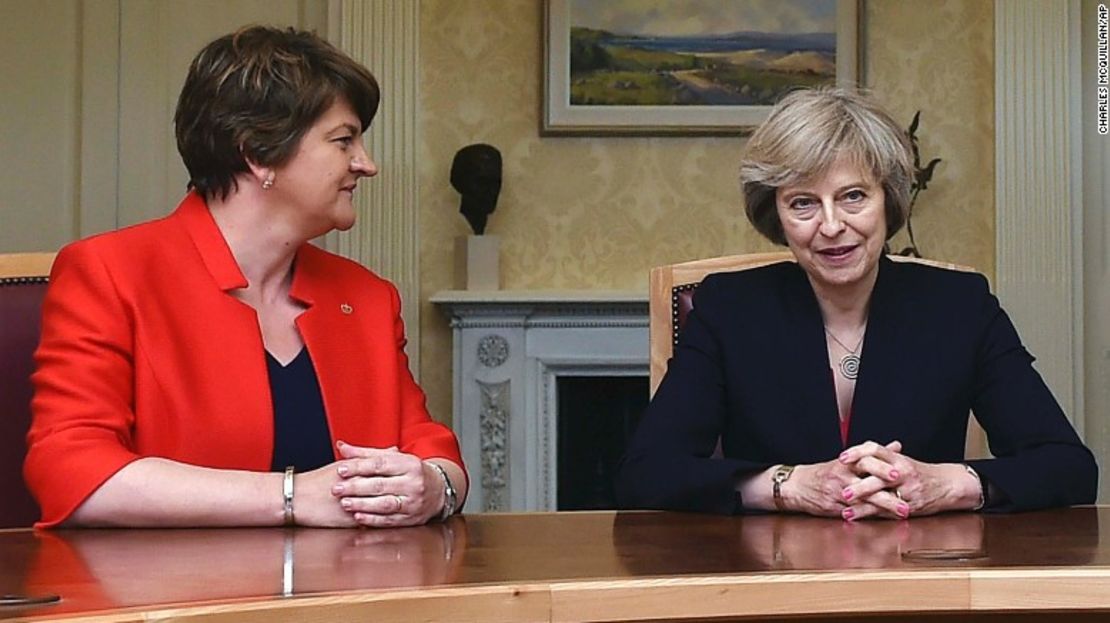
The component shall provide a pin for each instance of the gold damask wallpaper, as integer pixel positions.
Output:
(598, 213)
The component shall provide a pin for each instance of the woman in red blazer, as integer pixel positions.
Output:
(213, 367)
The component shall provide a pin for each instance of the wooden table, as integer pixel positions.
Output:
(575, 567)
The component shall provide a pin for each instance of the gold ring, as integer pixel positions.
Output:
(898, 494)
(400, 501)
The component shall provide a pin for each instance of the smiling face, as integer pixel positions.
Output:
(317, 184)
(835, 224)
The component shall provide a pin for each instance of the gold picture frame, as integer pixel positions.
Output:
(563, 117)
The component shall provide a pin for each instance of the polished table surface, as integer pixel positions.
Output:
(598, 566)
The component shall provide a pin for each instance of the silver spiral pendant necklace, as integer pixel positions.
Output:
(849, 363)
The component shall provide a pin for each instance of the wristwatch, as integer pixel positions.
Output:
(450, 496)
(780, 475)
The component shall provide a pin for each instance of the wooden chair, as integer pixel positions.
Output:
(23, 278)
(671, 297)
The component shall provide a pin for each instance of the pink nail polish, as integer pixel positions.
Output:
(847, 494)
(894, 474)
(844, 456)
(848, 513)
(337, 490)
(345, 503)
(343, 470)
(903, 510)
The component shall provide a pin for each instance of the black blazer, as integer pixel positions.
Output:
(751, 369)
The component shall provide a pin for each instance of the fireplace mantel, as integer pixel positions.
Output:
(510, 347)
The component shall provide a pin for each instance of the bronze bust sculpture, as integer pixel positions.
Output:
(476, 174)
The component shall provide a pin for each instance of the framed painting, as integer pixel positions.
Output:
(684, 67)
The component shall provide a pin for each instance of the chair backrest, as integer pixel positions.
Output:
(23, 278)
(671, 297)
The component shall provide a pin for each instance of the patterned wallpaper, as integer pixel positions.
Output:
(597, 213)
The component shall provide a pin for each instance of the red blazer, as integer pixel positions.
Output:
(144, 353)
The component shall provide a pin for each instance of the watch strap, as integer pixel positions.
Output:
(781, 474)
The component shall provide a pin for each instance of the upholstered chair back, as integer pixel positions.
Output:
(671, 297)
(23, 280)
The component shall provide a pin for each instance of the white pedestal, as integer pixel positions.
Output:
(510, 347)
(477, 262)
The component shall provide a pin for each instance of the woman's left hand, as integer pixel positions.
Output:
(894, 484)
(384, 487)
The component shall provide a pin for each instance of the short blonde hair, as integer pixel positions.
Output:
(805, 134)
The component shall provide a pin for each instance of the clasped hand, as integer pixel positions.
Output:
(374, 487)
(873, 480)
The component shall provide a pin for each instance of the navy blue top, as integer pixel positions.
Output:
(301, 435)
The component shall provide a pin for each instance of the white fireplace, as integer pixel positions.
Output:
(510, 348)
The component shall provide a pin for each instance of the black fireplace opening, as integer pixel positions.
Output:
(596, 416)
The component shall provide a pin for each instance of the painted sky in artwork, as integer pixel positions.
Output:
(704, 17)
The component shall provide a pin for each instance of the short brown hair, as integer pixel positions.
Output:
(254, 93)
(806, 132)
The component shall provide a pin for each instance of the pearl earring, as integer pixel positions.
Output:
(268, 183)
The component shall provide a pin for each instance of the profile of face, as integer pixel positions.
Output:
(278, 108)
(476, 175)
(835, 224)
(317, 184)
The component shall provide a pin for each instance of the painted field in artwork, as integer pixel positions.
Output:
(690, 52)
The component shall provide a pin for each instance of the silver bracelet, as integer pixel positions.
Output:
(450, 497)
(287, 496)
(982, 498)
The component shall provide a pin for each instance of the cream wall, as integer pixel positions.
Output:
(86, 120)
(39, 124)
(599, 212)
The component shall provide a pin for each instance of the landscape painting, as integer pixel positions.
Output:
(688, 66)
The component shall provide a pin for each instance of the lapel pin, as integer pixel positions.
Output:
(346, 309)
